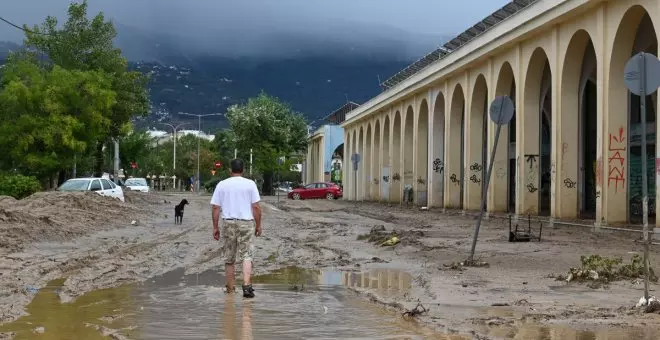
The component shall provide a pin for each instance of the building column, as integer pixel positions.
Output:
(474, 139)
(430, 197)
(498, 188)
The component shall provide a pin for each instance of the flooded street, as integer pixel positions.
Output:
(291, 304)
(322, 272)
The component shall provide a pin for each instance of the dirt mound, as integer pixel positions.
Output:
(141, 198)
(317, 205)
(59, 216)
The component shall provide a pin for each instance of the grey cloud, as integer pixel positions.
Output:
(270, 27)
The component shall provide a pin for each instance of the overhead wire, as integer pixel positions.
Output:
(21, 28)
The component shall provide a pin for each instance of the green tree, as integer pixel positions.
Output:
(138, 147)
(271, 129)
(186, 158)
(87, 44)
(47, 116)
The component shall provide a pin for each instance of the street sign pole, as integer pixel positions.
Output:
(642, 77)
(501, 113)
(645, 196)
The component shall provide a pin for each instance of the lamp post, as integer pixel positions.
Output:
(174, 130)
(199, 131)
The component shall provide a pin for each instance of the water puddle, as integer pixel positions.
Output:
(556, 332)
(290, 304)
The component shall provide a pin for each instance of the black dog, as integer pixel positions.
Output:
(178, 211)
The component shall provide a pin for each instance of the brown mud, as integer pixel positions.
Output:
(95, 242)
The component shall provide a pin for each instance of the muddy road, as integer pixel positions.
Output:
(94, 243)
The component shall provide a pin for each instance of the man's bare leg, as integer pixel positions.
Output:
(248, 291)
(247, 272)
(230, 277)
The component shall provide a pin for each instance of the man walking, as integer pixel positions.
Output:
(238, 198)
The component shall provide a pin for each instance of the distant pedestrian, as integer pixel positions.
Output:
(238, 198)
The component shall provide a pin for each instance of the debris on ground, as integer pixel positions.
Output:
(598, 270)
(650, 306)
(475, 263)
(418, 310)
(7, 335)
(39, 330)
(379, 236)
(391, 242)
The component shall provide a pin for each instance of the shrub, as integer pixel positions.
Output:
(18, 186)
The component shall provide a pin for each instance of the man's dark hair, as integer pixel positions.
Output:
(237, 166)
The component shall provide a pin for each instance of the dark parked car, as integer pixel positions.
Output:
(326, 190)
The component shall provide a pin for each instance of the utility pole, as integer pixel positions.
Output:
(116, 162)
(174, 134)
(199, 136)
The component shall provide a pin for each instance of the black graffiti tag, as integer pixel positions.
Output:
(474, 179)
(475, 167)
(569, 183)
(531, 188)
(454, 179)
(386, 179)
(531, 159)
(438, 166)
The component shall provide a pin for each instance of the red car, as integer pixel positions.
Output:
(327, 190)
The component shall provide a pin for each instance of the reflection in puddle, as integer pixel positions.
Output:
(175, 306)
(386, 282)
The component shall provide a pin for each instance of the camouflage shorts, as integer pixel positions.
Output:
(237, 240)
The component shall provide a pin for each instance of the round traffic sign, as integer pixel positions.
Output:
(501, 110)
(642, 66)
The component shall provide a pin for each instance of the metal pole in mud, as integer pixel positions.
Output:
(642, 77)
(501, 112)
(645, 194)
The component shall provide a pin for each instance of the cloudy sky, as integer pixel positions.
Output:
(202, 20)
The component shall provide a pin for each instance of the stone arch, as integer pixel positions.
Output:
(622, 169)
(477, 143)
(361, 177)
(438, 152)
(352, 175)
(366, 164)
(422, 166)
(502, 187)
(578, 133)
(386, 175)
(408, 146)
(456, 152)
(376, 164)
(397, 169)
(536, 135)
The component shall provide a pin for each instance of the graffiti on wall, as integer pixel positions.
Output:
(476, 173)
(438, 166)
(454, 179)
(532, 173)
(616, 161)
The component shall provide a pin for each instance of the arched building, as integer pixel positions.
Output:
(573, 147)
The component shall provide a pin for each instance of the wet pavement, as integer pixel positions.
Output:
(290, 304)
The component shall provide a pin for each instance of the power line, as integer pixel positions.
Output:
(21, 28)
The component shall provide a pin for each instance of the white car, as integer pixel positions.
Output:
(101, 186)
(137, 184)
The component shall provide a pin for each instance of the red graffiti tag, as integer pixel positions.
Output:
(616, 161)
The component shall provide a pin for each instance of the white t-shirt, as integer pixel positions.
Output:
(235, 196)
